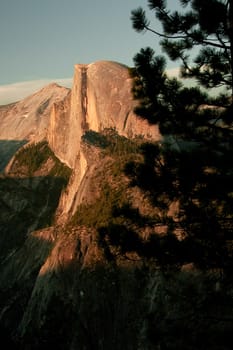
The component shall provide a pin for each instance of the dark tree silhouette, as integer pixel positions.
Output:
(207, 25)
(192, 166)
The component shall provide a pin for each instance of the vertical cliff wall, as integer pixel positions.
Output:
(59, 127)
(100, 98)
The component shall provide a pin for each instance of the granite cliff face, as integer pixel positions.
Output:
(101, 98)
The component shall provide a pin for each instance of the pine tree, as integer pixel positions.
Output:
(207, 25)
(192, 166)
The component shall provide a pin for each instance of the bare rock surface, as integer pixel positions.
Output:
(28, 119)
(101, 98)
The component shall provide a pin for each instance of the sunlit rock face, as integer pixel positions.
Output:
(101, 98)
(28, 119)
(109, 102)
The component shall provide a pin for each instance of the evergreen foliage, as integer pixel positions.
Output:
(33, 156)
(112, 196)
(190, 170)
(206, 25)
(111, 143)
(34, 184)
(193, 165)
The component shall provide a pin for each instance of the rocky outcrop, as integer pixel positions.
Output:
(101, 98)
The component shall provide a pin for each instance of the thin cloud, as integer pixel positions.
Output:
(17, 91)
(173, 72)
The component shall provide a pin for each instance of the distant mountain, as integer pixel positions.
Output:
(27, 120)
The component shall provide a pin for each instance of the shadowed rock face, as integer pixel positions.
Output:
(7, 151)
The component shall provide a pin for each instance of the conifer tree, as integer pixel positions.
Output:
(207, 25)
(192, 166)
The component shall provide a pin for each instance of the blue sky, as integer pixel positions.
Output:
(42, 40)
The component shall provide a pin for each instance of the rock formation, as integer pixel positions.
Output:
(27, 120)
(66, 282)
(101, 98)
(62, 269)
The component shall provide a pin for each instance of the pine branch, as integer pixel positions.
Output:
(188, 35)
